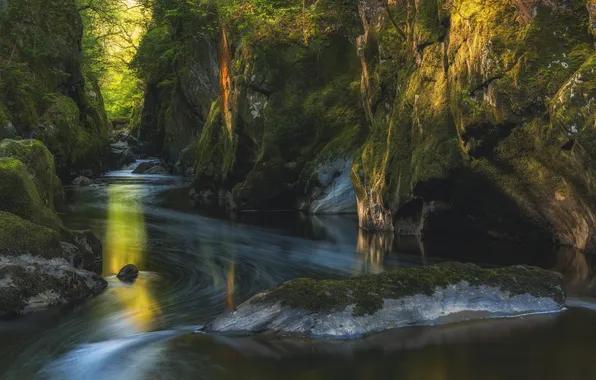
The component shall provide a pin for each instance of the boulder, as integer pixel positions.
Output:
(19, 195)
(40, 166)
(7, 130)
(334, 193)
(121, 154)
(82, 181)
(19, 236)
(83, 249)
(396, 298)
(30, 283)
(128, 273)
(157, 169)
(144, 166)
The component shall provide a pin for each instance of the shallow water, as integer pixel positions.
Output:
(197, 263)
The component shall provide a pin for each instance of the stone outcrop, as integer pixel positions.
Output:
(41, 262)
(469, 118)
(396, 298)
(44, 91)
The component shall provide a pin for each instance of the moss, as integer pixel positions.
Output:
(19, 236)
(73, 147)
(19, 195)
(368, 292)
(40, 164)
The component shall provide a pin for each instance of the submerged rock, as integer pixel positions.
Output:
(29, 283)
(128, 273)
(82, 181)
(396, 298)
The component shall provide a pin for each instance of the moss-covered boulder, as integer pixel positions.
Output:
(19, 195)
(73, 146)
(396, 298)
(19, 236)
(40, 164)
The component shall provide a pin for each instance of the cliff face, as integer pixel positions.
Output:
(490, 126)
(455, 116)
(43, 90)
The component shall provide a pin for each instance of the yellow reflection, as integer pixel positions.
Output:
(231, 285)
(126, 244)
(372, 247)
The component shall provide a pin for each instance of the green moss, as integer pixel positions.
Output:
(368, 292)
(40, 164)
(19, 236)
(73, 147)
(19, 195)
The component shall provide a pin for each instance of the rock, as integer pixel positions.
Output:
(157, 169)
(397, 298)
(7, 130)
(335, 193)
(19, 236)
(19, 195)
(83, 249)
(121, 154)
(40, 166)
(144, 166)
(128, 273)
(30, 283)
(82, 181)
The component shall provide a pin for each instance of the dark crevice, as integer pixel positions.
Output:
(481, 140)
(260, 90)
(484, 85)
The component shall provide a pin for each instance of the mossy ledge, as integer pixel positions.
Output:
(400, 297)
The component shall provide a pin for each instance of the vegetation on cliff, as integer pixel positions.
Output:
(44, 91)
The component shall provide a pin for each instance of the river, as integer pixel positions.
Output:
(197, 262)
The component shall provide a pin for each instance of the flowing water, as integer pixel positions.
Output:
(196, 263)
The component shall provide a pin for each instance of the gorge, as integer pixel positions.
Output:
(228, 151)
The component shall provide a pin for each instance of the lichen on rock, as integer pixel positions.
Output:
(395, 298)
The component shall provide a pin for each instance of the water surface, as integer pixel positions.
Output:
(197, 262)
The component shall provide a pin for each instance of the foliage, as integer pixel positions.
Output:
(113, 29)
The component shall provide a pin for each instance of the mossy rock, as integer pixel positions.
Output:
(33, 283)
(74, 148)
(368, 292)
(40, 164)
(19, 195)
(437, 294)
(19, 236)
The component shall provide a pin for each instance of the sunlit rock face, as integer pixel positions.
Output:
(482, 108)
(397, 298)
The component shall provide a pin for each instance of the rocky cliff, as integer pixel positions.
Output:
(470, 117)
(44, 91)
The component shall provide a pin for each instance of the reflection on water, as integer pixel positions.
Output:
(195, 266)
(372, 249)
(578, 269)
(230, 285)
(126, 243)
